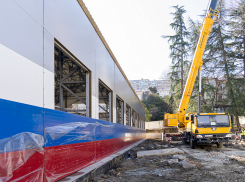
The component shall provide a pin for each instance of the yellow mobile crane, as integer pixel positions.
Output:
(200, 128)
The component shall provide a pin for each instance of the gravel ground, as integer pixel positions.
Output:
(206, 163)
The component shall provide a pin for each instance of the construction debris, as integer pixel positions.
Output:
(206, 163)
(187, 165)
(180, 157)
(195, 163)
(173, 161)
(159, 152)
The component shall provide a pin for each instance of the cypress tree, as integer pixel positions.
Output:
(179, 53)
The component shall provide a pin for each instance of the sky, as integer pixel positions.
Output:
(133, 30)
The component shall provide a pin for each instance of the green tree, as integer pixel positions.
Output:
(236, 65)
(148, 115)
(156, 106)
(153, 89)
(219, 63)
(237, 31)
(178, 47)
(169, 99)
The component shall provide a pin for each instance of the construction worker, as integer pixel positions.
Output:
(243, 134)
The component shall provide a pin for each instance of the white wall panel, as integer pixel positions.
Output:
(104, 65)
(49, 70)
(119, 83)
(27, 49)
(21, 79)
(114, 111)
(95, 107)
(34, 8)
(48, 51)
(61, 25)
(48, 89)
(78, 18)
(20, 32)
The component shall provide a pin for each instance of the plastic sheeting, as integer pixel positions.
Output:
(68, 147)
(72, 147)
(14, 153)
(69, 133)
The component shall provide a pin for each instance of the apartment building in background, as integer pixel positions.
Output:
(141, 86)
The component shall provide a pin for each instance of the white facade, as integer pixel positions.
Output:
(27, 53)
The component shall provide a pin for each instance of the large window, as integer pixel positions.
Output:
(133, 118)
(72, 83)
(140, 122)
(105, 102)
(137, 120)
(128, 115)
(119, 110)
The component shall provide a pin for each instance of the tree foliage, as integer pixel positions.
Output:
(178, 47)
(147, 114)
(153, 89)
(156, 106)
(223, 70)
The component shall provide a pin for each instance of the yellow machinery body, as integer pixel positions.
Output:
(182, 119)
(170, 119)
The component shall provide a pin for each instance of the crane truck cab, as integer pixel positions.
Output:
(203, 128)
(209, 128)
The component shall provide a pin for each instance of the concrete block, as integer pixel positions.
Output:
(159, 152)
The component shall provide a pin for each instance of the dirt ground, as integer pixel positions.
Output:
(205, 163)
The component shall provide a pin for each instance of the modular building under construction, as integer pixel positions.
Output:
(65, 102)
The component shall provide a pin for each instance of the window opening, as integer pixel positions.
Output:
(119, 110)
(133, 118)
(71, 83)
(137, 120)
(128, 115)
(140, 122)
(105, 102)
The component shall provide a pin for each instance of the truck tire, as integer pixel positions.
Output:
(220, 145)
(193, 143)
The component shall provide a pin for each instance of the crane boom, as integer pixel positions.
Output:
(200, 128)
(196, 65)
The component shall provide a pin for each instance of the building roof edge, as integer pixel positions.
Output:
(85, 9)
